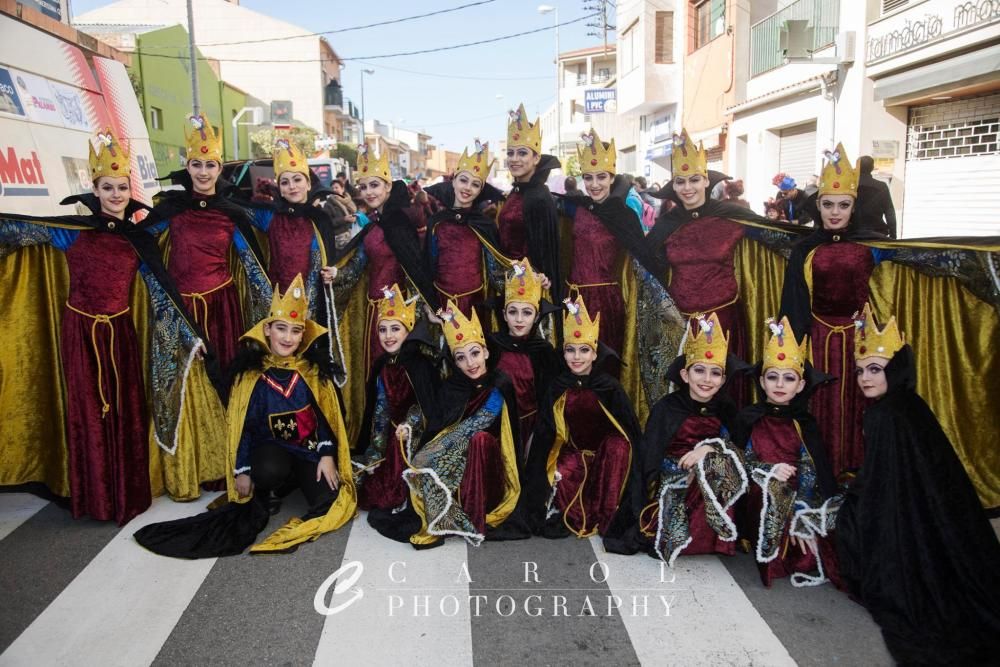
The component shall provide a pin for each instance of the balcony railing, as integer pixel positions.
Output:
(765, 49)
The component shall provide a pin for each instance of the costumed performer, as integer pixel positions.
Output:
(285, 430)
(106, 411)
(913, 542)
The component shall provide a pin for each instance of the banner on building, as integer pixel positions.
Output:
(600, 100)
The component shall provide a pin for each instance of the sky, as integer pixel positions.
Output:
(454, 111)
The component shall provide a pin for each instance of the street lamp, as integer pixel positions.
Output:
(545, 9)
(369, 71)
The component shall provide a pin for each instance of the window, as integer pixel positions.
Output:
(155, 118)
(710, 21)
(630, 55)
(664, 37)
(603, 74)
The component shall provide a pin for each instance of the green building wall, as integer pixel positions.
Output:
(165, 85)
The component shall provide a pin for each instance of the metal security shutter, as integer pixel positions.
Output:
(797, 154)
(952, 179)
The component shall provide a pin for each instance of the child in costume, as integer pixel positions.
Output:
(524, 356)
(285, 428)
(786, 463)
(463, 478)
(400, 401)
(914, 544)
(581, 455)
(107, 421)
(694, 471)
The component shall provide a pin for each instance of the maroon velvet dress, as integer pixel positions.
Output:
(384, 270)
(517, 366)
(482, 486)
(596, 269)
(291, 240)
(385, 488)
(704, 540)
(593, 466)
(840, 275)
(459, 266)
(107, 427)
(511, 227)
(199, 264)
(775, 440)
(701, 254)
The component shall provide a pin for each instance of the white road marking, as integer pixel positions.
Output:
(16, 508)
(710, 620)
(121, 608)
(420, 618)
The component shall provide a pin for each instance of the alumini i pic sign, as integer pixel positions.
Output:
(600, 100)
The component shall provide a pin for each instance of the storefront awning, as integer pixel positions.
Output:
(954, 72)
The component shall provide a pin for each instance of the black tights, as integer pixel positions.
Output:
(273, 468)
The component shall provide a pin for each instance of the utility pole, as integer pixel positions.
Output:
(600, 24)
(195, 99)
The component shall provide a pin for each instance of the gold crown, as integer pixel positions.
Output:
(577, 326)
(783, 351)
(458, 329)
(393, 306)
(287, 157)
(838, 176)
(594, 156)
(292, 306)
(369, 166)
(708, 344)
(522, 133)
(869, 341)
(111, 160)
(202, 142)
(478, 164)
(686, 158)
(523, 284)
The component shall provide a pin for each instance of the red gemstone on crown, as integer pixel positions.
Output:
(291, 162)
(459, 336)
(114, 165)
(204, 149)
(781, 356)
(836, 184)
(390, 313)
(577, 334)
(294, 314)
(517, 136)
(862, 349)
(520, 290)
(684, 167)
(593, 162)
(708, 354)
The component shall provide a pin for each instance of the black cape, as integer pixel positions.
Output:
(913, 541)
(617, 217)
(484, 227)
(541, 221)
(420, 369)
(401, 236)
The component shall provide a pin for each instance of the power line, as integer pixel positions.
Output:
(383, 55)
(351, 29)
(455, 76)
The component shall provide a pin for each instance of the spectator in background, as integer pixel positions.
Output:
(639, 183)
(792, 199)
(772, 210)
(346, 184)
(343, 211)
(569, 185)
(732, 191)
(876, 211)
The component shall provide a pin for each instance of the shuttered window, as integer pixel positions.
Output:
(664, 37)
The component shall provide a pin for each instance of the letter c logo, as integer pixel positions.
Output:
(352, 572)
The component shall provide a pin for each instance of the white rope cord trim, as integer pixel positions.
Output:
(659, 525)
(707, 490)
(763, 479)
(475, 539)
(331, 304)
(198, 346)
(551, 511)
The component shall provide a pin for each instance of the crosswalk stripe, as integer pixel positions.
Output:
(121, 607)
(15, 509)
(391, 622)
(710, 620)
